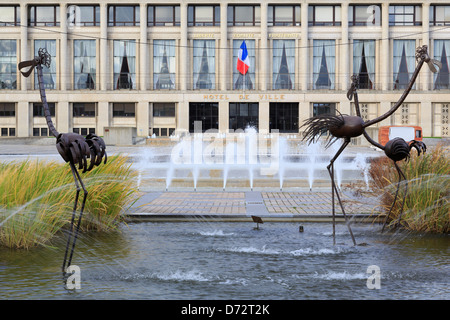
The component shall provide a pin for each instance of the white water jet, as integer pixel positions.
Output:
(246, 156)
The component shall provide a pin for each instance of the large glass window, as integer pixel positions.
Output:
(324, 108)
(84, 64)
(442, 54)
(204, 64)
(240, 15)
(83, 15)
(7, 109)
(164, 109)
(283, 15)
(204, 15)
(163, 16)
(324, 64)
(38, 109)
(48, 74)
(405, 15)
(124, 64)
(404, 62)
(207, 113)
(8, 64)
(82, 109)
(244, 64)
(440, 15)
(283, 117)
(126, 110)
(364, 62)
(9, 16)
(120, 16)
(324, 15)
(364, 15)
(243, 115)
(43, 16)
(164, 64)
(283, 64)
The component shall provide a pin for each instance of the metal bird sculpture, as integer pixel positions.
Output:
(346, 127)
(73, 148)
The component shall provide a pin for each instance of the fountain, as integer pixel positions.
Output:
(244, 159)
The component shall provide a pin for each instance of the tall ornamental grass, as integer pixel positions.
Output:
(37, 198)
(427, 206)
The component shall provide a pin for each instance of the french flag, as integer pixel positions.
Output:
(243, 62)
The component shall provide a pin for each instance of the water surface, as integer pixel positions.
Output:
(217, 260)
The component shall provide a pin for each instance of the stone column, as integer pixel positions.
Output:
(23, 47)
(224, 116)
(425, 114)
(304, 52)
(183, 76)
(224, 67)
(385, 70)
(142, 118)
(64, 78)
(345, 53)
(143, 68)
(104, 54)
(264, 116)
(23, 118)
(103, 117)
(425, 79)
(62, 116)
(183, 116)
(264, 49)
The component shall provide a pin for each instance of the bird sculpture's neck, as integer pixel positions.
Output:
(402, 98)
(47, 115)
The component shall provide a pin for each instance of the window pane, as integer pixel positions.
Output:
(324, 14)
(84, 64)
(164, 64)
(244, 14)
(203, 14)
(204, 64)
(164, 109)
(48, 74)
(243, 77)
(45, 14)
(8, 64)
(324, 64)
(163, 15)
(9, 16)
(125, 14)
(124, 64)
(283, 64)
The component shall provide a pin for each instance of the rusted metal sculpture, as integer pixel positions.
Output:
(347, 127)
(73, 148)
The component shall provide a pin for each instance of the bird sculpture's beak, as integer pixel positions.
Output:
(433, 62)
(24, 64)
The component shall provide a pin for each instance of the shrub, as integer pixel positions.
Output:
(426, 206)
(37, 198)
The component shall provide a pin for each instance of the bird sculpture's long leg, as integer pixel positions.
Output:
(79, 218)
(395, 197)
(72, 167)
(330, 168)
(404, 196)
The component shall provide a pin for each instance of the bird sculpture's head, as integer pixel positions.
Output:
(422, 53)
(43, 58)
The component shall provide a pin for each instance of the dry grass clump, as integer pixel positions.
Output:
(427, 206)
(36, 199)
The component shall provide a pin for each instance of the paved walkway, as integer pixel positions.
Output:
(237, 206)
